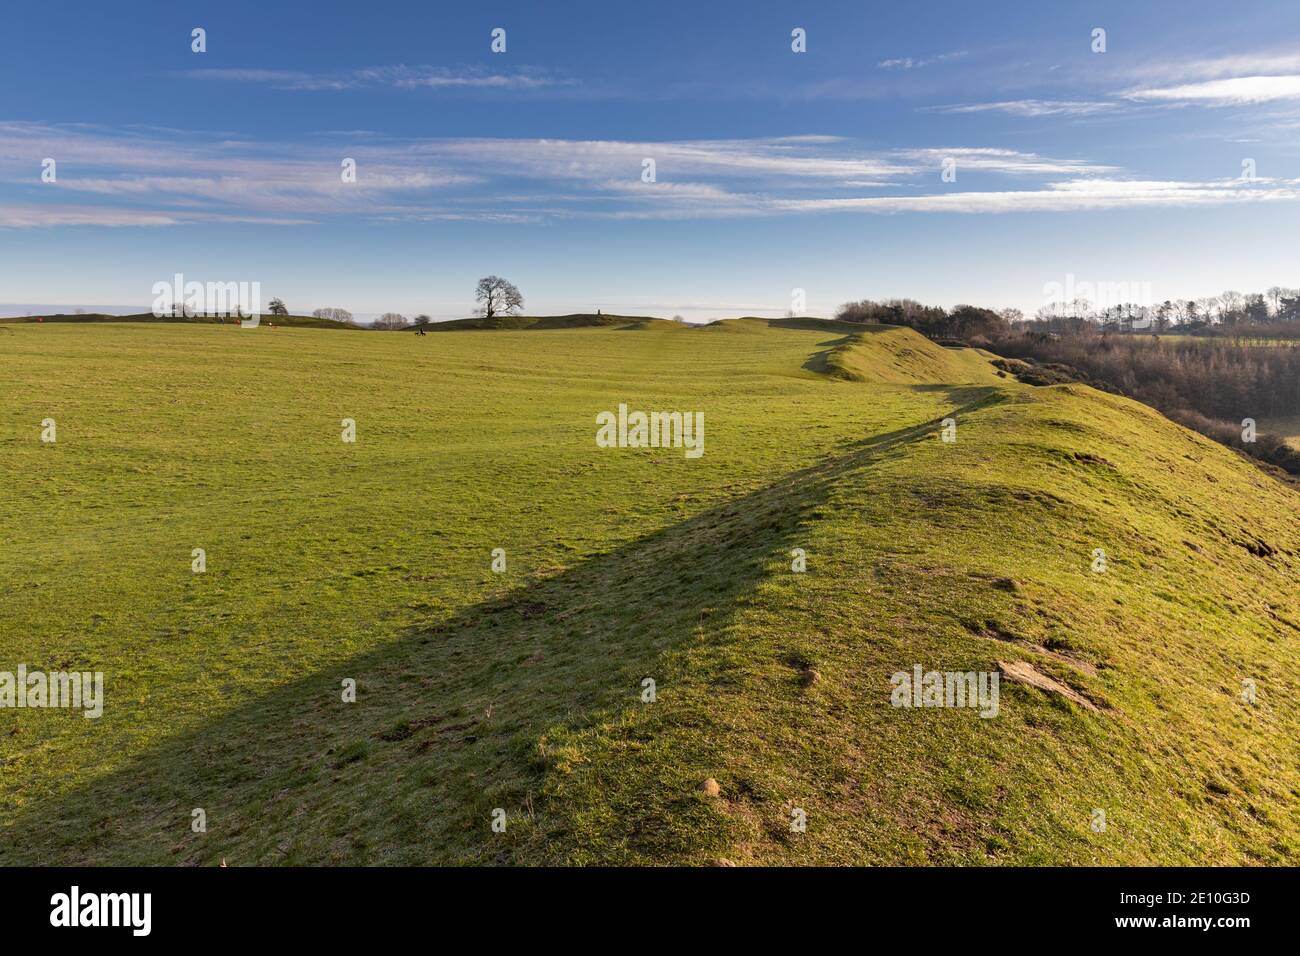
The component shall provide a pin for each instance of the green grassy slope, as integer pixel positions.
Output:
(522, 691)
(899, 356)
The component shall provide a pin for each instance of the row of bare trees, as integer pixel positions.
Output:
(1222, 379)
(1230, 310)
(335, 315)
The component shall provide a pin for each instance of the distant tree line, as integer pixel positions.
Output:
(336, 315)
(1275, 311)
(969, 323)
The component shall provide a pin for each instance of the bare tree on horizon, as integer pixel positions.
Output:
(498, 296)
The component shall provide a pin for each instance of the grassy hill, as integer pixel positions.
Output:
(577, 320)
(523, 691)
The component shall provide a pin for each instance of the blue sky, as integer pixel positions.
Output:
(774, 170)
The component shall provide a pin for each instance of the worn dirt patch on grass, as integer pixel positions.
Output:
(1023, 672)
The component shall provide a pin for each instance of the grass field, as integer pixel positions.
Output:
(371, 560)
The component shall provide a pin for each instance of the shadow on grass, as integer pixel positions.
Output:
(448, 715)
(819, 362)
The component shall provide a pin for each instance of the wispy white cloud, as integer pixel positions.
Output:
(144, 179)
(1069, 196)
(1234, 91)
(1033, 108)
(1236, 79)
(397, 76)
(913, 63)
(1230, 80)
(187, 172)
(816, 158)
(42, 215)
(987, 159)
(1254, 63)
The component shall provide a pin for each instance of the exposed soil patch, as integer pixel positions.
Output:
(1023, 672)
